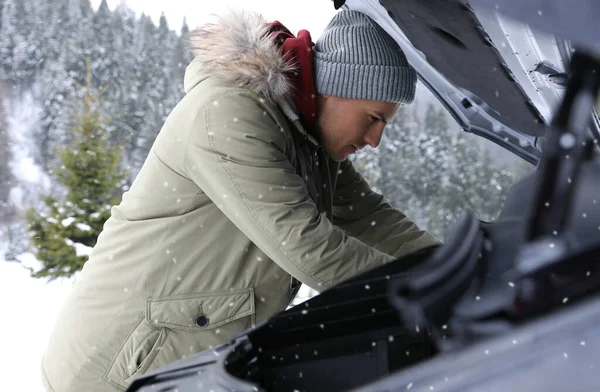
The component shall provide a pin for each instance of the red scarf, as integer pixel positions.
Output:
(300, 51)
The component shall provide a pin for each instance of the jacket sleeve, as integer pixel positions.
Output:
(366, 215)
(236, 154)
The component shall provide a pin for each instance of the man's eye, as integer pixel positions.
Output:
(373, 119)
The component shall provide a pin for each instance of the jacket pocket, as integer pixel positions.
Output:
(200, 311)
(136, 354)
(156, 328)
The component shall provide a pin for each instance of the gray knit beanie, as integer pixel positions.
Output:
(356, 58)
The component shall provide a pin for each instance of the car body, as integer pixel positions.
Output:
(512, 304)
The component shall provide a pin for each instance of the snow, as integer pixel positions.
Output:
(83, 227)
(80, 249)
(68, 221)
(32, 305)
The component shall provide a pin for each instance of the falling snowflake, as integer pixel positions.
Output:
(367, 287)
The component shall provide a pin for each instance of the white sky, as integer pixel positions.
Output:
(311, 15)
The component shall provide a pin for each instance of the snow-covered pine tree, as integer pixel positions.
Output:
(180, 58)
(477, 182)
(63, 232)
(6, 176)
(413, 166)
(126, 117)
(399, 157)
(8, 38)
(20, 53)
(158, 93)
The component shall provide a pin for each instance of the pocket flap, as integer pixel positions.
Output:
(200, 311)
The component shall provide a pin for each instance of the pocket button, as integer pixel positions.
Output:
(202, 320)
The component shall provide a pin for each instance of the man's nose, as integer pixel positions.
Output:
(373, 135)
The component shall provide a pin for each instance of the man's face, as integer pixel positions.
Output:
(347, 125)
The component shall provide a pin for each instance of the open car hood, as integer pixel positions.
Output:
(499, 78)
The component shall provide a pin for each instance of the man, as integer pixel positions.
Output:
(246, 192)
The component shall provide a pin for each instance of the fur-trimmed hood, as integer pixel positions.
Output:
(237, 48)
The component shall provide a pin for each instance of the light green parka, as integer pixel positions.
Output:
(235, 205)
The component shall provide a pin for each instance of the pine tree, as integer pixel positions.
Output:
(6, 176)
(181, 57)
(64, 231)
(1, 9)
(401, 175)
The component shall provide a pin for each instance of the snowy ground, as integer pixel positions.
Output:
(29, 308)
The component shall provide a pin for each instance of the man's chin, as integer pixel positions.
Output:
(341, 155)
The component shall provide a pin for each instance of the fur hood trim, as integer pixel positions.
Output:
(236, 48)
